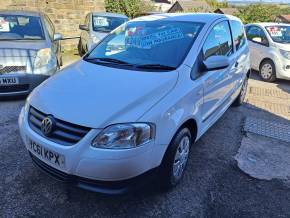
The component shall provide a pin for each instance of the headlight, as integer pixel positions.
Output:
(95, 39)
(124, 136)
(43, 57)
(285, 54)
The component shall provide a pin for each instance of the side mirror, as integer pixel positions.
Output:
(216, 62)
(57, 37)
(83, 27)
(257, 39)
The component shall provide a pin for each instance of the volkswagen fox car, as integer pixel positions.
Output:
(269, 45)
(29, 51)
(96, 27)
(136, 103)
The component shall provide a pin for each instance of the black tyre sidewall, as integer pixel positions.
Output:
(80, 48)
(240, 99)
(167, 177)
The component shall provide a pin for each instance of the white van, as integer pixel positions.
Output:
(269, 45)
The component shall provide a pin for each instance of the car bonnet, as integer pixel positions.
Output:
(96, 96)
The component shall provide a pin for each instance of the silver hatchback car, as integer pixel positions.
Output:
(96, 27)
(30, 51)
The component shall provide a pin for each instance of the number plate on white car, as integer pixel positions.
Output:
(46, 154)
(8, 81)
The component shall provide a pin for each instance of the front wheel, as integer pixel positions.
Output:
(268, 71)
(175, 159)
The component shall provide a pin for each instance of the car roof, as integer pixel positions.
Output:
(196, 17)
(105, 14)
(265, 24)
(18, 12)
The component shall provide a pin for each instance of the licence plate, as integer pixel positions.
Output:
(9, 81)
(46, 154)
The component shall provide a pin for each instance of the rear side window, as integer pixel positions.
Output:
(238, 34)
(219, 41)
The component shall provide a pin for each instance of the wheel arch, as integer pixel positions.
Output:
(191, 124)
(266, 59)
(249, 73)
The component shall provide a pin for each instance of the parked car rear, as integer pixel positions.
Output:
(29, 51)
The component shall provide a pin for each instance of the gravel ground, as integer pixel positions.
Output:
(213, 185)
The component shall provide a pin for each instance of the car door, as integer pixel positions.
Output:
(85, 34)
(241, 53)
(258, 45)
(217, 84)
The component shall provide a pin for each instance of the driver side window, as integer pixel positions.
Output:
(257, 35)
(49, 27)
(219, 41)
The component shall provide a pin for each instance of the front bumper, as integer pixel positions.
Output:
(85, 163)
(27, 82)
(283, 68)
(104, 187)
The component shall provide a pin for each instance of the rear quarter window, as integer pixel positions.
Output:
(238, 34)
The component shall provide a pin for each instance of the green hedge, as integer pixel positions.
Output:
(131, 8)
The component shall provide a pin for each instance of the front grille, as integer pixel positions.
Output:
(14, 88)
(64, 133)
(10, 69)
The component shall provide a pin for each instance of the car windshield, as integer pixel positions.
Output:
(151, 45)
(107, 24)
(20, 27)
(280, 34)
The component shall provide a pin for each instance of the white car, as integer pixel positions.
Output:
(269, 45)
(136, 103)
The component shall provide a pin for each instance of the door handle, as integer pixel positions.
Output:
(208, 82)
(200, 92)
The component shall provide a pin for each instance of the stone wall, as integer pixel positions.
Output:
(65, 14)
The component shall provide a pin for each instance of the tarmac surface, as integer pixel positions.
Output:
(213, 185)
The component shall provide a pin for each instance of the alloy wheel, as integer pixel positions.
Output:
(266, 71)
(181, 157)
(244, 90)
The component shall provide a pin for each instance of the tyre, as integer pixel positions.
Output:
(241, 97)
(61, 61)
(80, 48)
(268, 71)
(175, 159)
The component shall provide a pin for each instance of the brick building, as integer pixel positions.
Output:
(66, 14)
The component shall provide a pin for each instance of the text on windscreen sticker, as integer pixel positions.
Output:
(151, 40)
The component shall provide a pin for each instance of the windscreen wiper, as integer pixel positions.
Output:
(155, 67)
(107, 60)
(19, 39)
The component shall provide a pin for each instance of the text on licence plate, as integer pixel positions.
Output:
(9, 81)
(51, 156)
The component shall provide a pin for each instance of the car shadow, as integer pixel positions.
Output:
(284, 85)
